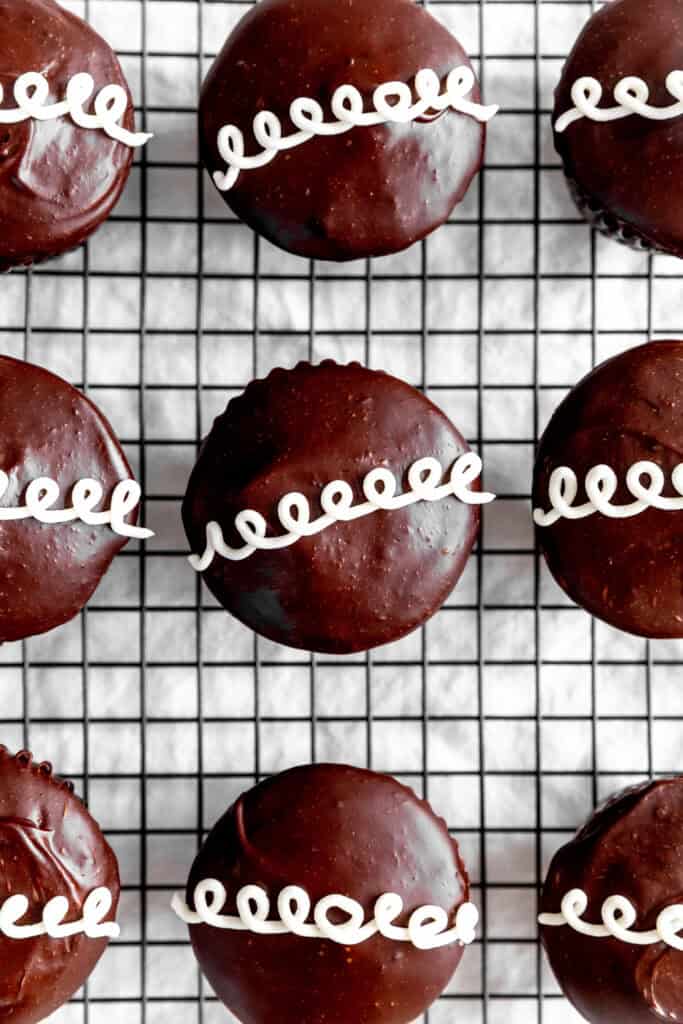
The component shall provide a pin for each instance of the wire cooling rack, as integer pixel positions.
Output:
(512, 711)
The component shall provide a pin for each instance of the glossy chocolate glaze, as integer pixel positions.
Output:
(630, 847)
(49, 429)
(329, 829)
(626, 571)
(49, 846)
(357, 584)
(365, 193)
(58, 182)
(627, 175)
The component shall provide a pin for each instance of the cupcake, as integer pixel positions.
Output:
(608, 491)
(59, 890)
(328, 893)
(342, 130)
(68, 502)
(332, 508)
(613, 909)
(618, 122)
(66, 131)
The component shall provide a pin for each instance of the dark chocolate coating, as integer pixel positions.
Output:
(49, 429)
(625, 571)
(58, 182)
(329, 829)
(49, 846)
(627, 175)
(630, 847)
(354, 585)
(373, 190)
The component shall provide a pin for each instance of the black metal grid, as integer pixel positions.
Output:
(140, 698)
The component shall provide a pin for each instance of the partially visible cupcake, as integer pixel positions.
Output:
(342, 130)
(332, 508)
(618, 122)
(67, 134)
(328, 893)
(613, 909)
(59, 890)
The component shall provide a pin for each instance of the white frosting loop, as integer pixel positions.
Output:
(428, 927)
(336, 500)
(392, 103)
(31, 95)
(618, 918)
(631, 95)
(96, 907)
(43, 493)
(601, 485)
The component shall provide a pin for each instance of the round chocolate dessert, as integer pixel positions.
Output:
(621, 876)
(608, 491)
(291, 514)
(49, 847)
(618, 122)
(312, 865)
(59, 179)
(342, 130)
(57, 537)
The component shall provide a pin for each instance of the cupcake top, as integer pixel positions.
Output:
(622, 152)
(306, 150)
(608, 491)
(59, 178)
(67, 500)
(51, 850)
(608, 923)
(295, 511)
(344, 838)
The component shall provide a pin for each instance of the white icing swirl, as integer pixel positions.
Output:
(618, 917)
(631, 95)
(392, 103)
(31, 95)
(92, 924)
(41, 495)
(601, 485)
(336, 500)
(428, 926)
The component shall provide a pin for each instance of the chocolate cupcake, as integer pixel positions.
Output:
(59, 890)
(613, 909)
(608, 491)
(332, 508)
(618, 122)
(66, 131)
(341, 131)
(67, 500)
(328, 893)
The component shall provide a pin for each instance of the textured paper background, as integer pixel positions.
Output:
(512, 710)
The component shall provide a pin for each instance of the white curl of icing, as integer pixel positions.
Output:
(392, 103)
(428, 926)
(601, 485)
(31, 94)
(631, 95)
(336, 500)
(618, 917)
(92, 924)
(42, 493)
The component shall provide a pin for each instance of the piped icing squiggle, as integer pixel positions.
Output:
(618, 917)
(92, 922)
(601, 485)
(42, 494)
(392, 104)
(336, 500)
(631, 95)
(428, 926)
(31, 94)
